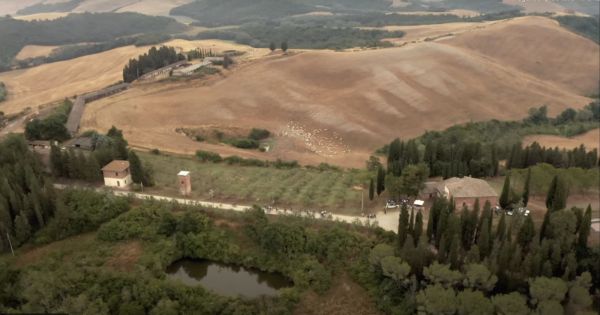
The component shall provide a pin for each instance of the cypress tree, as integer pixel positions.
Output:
(272, 46)
(284, 46)
(501, 229)
(411, 221)
(6, 222)
(483, 243)
(135, 165)
(526, 233)
(584, 232)
(505, 195)
(526, 188)
(371, 189)
(402, 227)
(454, 252)
(551, 192)
(494, 161)
(57, 162)
(418, 230)
(380, 181)
(544, 227)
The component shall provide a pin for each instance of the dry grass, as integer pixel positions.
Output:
(363, 99)
(344, 297)
(33, 51)
(126, 255)
(590, 139)
(55, 81)
(42, 16)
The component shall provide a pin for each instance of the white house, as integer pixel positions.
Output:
(117, 174)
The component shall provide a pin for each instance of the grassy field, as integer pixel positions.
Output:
(296, 188)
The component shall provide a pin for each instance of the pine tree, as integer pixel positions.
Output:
(584, 232)
(526, 188)
(402, 227)
(380, 181)
(371, 189)
(504, 200)
(418, 230)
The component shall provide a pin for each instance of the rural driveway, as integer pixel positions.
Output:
(387, 221)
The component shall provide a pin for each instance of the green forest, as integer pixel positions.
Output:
(155, 58)
(588, 26)
(77, 28)
(455, 261)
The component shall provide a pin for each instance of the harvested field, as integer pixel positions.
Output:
(33, 51)
(12, 6)
(347, 104)
(55, 81)
(153, 7)
(539, 47)
(42, 16)
(590, 139)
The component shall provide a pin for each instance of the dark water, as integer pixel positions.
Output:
(229, 280)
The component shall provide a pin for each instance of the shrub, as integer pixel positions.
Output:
(155, 151)
(206, 156)
(244, 143)
(259, 134)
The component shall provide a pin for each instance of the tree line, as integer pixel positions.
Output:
(533, 154)
(27, 197)
(150, 61)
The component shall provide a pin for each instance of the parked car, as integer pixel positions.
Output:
(391, 204)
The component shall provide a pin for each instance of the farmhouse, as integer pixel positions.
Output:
(466, 190)
(117, 174)
(82, 143)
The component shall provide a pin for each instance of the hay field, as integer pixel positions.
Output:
(42, 16)
(12, 6)
(32, 51)
(590, 139)
(153, 7)
(55, 81)
(540, 47)
(337, 107)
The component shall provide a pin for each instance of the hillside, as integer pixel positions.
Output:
(339, 107)
(55, 81)
(540, 47)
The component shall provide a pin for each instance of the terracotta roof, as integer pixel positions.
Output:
(468, 187)
(116, 166)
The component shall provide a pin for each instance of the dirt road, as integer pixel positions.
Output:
(387, 221)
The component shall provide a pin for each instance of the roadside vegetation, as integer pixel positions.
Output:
(78, 28)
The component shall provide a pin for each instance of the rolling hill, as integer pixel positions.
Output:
(338, 107)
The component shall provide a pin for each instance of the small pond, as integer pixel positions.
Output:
(225, 279)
